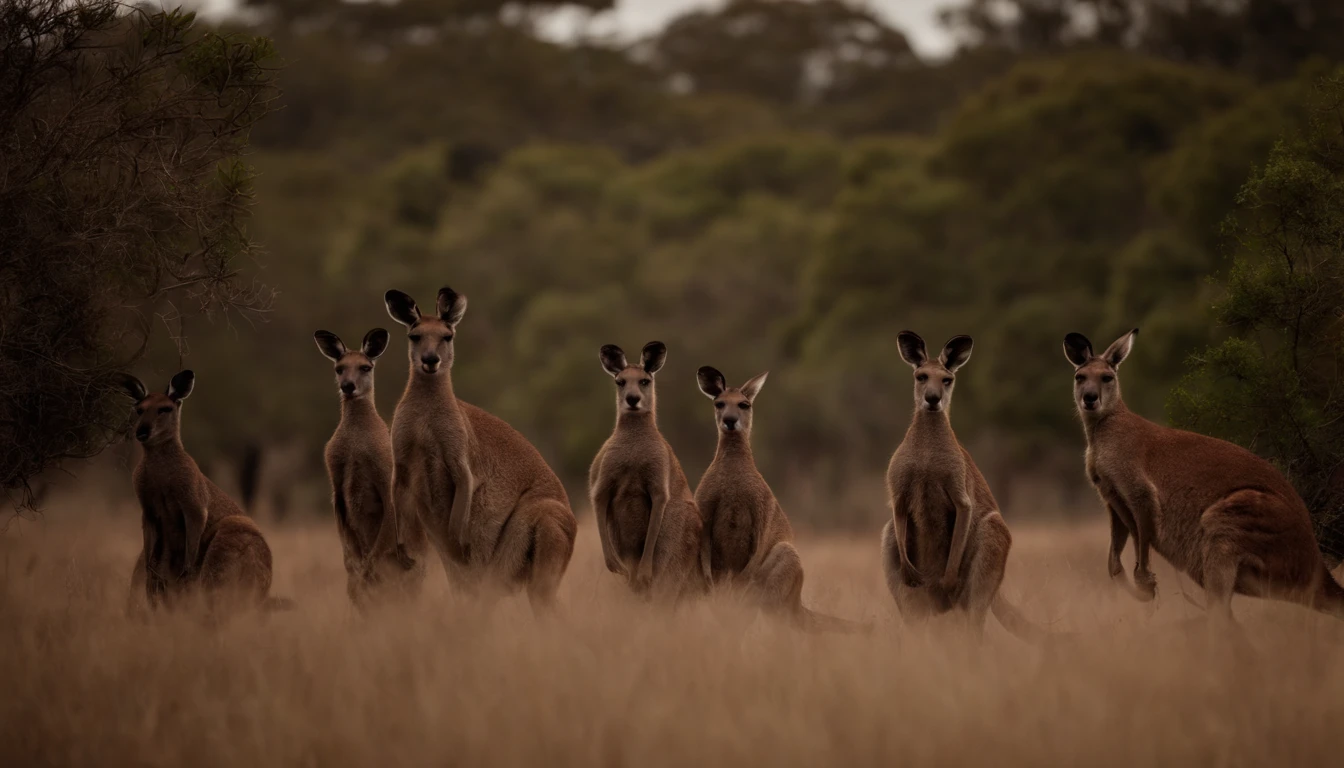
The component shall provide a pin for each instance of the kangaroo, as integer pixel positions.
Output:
(646, 516)
(946, 545)
(359, 463)
(195, 536)
(492, 508)
(1214, 510)
(748, 538)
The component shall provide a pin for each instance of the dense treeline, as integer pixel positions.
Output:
(778, 185)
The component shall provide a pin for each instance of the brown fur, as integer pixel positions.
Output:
(748, 540)
(359, 464)
(196, 539)
(494, 511)
(1214, 510)
(946, 545)
(647, 519)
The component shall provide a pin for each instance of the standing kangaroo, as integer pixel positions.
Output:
(646, 516)
(195, 536)
(491, 507)
(946, 545)
(1214, 510)
(748, 538)
(359, 463)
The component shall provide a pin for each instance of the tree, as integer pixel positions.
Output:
(121, 197)
(1274, 385)
(785, 52)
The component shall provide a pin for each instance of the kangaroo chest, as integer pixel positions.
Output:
(631, 508)
(637, 473)
(734, 516)
(165, 510)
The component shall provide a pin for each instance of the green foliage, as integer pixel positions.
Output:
(1274, 385)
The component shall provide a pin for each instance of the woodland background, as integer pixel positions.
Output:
(774, 185)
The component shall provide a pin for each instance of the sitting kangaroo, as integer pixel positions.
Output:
(646, 516)
(748, 538)
(1214, 510)
(359, 463)
(491, 507)
(195, 536)
(946, 545)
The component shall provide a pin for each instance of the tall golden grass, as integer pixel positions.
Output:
(614, 682)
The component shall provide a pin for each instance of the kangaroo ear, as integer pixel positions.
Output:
(133, 386)
(1120, 349)
(655, 354)
(753, 386)
(1077, 349)
(452, 305)
(613, 359)
(956, 352)
(402, 308)
(329, 344)
(180, 387)
(375, 343)
(711, 381)
(912, 348)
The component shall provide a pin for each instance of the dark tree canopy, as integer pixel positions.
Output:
(782, 51)
(1267, 38)
(1274, 386)
(121, 196)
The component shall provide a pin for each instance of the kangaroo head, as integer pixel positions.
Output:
(1096, 380)
(732, 405)
(430, 336)
(354, 367)
(158, 417)
(634, 383)
(934, 379)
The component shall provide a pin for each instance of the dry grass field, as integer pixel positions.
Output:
(613, 682)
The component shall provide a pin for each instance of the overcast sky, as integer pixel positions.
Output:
(633, 18)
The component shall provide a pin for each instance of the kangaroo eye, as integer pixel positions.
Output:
(947, 382)
(620, 382)
(166, 409)
(1079, 378)
(366, 368)
(448, 338)
(1108, 378)
(139, 411)
(718, 404)
(414, 337)
(340, 369)
(744, 405)
(922, 377)
(645, 382)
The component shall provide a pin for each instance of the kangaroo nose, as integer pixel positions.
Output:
(632, 400)
(1089, 397)
(142, 434)
(430, 360)
(348, 387)
(932, 399)
(730, 423)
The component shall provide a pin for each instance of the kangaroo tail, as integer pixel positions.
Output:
(273, 604)
(1017, 624)
(812, 621)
